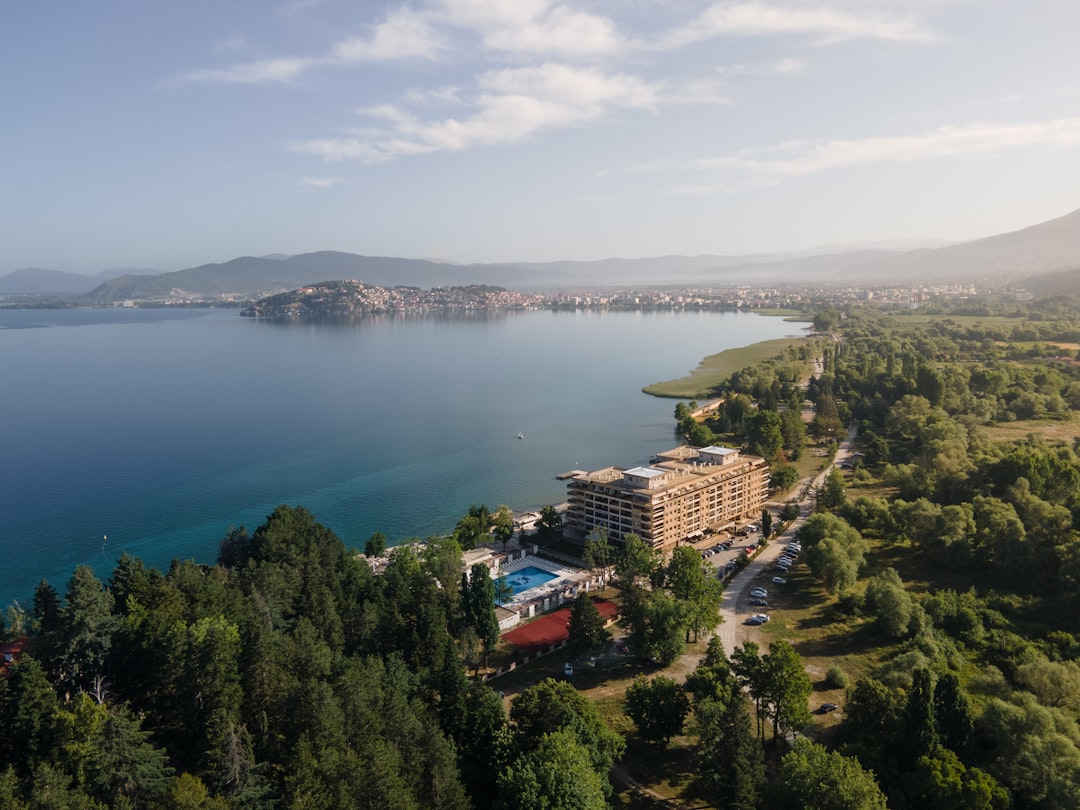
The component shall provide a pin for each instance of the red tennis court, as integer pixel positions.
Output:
(541, 633)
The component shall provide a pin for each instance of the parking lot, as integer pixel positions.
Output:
(722, 550)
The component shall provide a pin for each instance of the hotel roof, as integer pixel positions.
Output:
(644, 472)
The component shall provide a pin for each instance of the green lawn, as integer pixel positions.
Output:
(716, 368)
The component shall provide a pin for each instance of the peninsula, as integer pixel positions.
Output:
(330, 300)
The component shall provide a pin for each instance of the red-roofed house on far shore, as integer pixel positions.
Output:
(10, 652)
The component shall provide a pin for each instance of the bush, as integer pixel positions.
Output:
(851, 604)
(836, 678)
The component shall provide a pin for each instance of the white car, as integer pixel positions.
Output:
(568, 669)
(760, 593)
(779, 581)
(758, 618)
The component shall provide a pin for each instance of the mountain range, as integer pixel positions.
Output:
(1037, 255)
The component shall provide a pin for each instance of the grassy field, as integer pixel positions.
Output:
(716, 368)
(1052, 430)
(963, 320)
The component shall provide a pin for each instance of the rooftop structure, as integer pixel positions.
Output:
(680, 495)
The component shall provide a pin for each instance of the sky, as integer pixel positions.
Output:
(171, 134)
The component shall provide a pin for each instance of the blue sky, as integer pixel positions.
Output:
(169, 134)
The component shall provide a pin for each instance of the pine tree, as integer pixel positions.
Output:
(586, 630)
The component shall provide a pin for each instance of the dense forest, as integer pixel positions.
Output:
(945, 564)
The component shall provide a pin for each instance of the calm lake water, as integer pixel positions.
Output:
(161, 429)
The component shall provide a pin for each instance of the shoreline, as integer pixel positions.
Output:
(715, 368)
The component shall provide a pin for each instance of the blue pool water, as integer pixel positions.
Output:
(528, 577)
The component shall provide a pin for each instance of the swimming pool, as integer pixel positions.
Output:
(527, 578)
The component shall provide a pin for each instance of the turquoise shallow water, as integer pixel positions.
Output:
(162, 429)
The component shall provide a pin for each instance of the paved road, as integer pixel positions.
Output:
(736, 606)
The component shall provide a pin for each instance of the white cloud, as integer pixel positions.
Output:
(971, 140)
(760, 19)
(510, 105)
(530, 27)
(404, 34)
(322, 182)
(285, 70)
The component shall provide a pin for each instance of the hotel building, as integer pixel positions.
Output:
(682, 494)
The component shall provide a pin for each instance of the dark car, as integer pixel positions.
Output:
(825, 708)
(759, 602)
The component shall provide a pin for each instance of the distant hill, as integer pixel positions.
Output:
(1063, 282)
(34, 280)
(251, 276)
(1048, 246)
(1010, 257)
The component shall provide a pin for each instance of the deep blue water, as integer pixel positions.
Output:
(161, 429)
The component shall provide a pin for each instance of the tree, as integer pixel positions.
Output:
(793, 430)
(553, 706)
(699, 594)
(887, 599)
(920, 730)
(835, 550)
(765, 434)
(233, 550)
(126, 764)
(479, 605)
(28, 711)
(748, 667)
(441, 559)
(556, 773)
(636, 561)
(85, 630)
(873, 724)
(787, 688)
(730, 760)
(942, 782)
(658, 626)
(587, 631)
(814, 778)
(712, 678)
(549, 527)
(830, 561)
(502, 524)
(783, 477)
(598, 553)
(375, 545)
(831, 496)
(657, 707)
(766, 523)
(952, 713)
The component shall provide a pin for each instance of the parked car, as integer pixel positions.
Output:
(779, 581)
(568, 669)
(782, 566)
(825, 708)
(759, 602)
(759, 593)
(758, 618)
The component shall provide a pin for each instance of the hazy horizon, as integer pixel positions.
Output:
(168, 136)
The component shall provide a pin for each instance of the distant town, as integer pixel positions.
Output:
(342, 299)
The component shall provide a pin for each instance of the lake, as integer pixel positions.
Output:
(159, 429)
